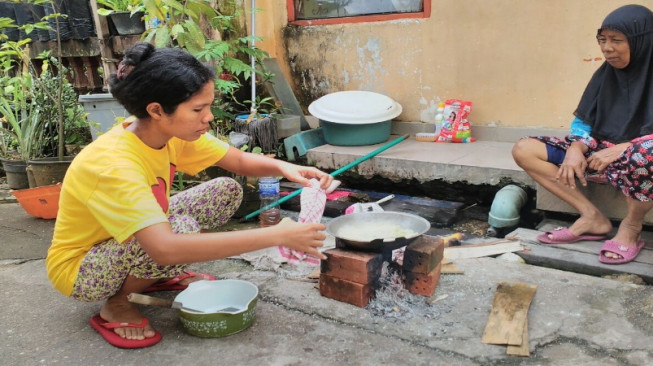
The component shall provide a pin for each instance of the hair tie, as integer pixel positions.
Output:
(123, 70)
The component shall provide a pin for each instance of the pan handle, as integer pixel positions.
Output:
(385, 199)
(149, 300)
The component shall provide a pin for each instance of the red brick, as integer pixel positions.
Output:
(353, 293)
(360, 267)
(423, 284)
(423, 255)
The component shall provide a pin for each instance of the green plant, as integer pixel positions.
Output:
(20, 126)
(24, 127)
(264, 106)
(212, 36)
(111, 6)
(76, 126)
(21, 79)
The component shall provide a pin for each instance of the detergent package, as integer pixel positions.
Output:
(455, 126)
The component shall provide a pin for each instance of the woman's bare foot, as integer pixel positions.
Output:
(118, 309)
(628, 234)
(595, 223)
(590, 224)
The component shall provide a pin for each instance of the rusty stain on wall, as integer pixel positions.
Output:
(370, 65)
(500, 56)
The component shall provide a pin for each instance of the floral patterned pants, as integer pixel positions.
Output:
(107, 265)
(631, 172)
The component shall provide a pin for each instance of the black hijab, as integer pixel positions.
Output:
(618, 103)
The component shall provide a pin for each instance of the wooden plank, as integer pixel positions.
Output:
(89, 47)
(91, 66)
(102, 30)
(451, 268)
(525, 349)
(483, 251)
(552, 256)
(509, 312)
(590, 247)
(437, 212)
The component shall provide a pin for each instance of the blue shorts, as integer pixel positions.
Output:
(555, 154)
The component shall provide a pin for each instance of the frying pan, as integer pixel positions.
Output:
(343, 226)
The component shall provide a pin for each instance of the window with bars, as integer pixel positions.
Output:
(343, 11)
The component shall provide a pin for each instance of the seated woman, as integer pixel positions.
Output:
(117, 229)
(612, 135)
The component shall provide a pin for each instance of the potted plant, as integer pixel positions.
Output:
(48, 166)
(20, 131)
(213, 35)
(125, 15)
(23, 111)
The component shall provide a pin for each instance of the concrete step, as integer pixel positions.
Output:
(487, 161)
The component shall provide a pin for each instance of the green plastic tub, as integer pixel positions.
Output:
(353, 118)
(355, 135)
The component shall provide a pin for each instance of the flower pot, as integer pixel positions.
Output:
(39, 13)
(16, 173)
(125, 23)
(41, 202)
(287, 124)
(24, 16)
(48, 171)
(65, 33)
(102, 109)
(80, 19)
(8, 10)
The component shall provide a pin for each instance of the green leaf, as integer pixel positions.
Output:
(154, 9)
(195, 33)
(162, 38)
(176, 30)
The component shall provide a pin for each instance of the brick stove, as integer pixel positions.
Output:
(352, 275)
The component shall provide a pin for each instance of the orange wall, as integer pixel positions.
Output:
(522, 63)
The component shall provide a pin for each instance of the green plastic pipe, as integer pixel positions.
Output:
(333, 174)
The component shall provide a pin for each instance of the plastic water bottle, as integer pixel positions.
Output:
(268, 190)
(439, 117)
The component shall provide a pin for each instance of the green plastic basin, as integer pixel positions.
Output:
(355, 135)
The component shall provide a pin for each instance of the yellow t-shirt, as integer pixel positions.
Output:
(116, 186)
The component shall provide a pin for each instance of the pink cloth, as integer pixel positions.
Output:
(313, 201)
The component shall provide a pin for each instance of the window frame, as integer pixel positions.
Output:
(292, 17)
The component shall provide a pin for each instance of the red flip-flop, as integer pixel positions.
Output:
(563, 235)
(106, 330)
(173, 283)
(628, 253)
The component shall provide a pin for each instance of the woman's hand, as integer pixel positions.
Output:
(574, 165)
(601, 159)
(304, 237)
(302, 174)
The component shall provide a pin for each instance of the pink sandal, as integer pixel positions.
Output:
(627, 252)
(563, 235)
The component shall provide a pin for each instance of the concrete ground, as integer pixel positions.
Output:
(573, 319)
